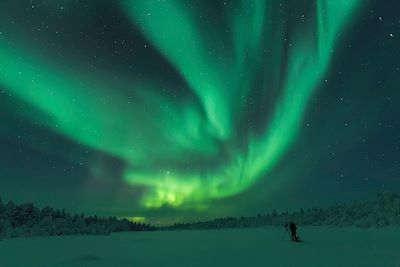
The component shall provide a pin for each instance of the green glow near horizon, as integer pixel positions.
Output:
(153, 129)
(307, 62)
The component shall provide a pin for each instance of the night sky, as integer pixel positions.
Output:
(184, 110)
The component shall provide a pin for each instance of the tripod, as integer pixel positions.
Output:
(286, 231)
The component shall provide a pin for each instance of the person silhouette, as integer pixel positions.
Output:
(293, 229)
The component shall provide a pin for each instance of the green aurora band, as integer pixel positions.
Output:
(290, 58)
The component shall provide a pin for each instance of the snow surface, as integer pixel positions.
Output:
(233, 247)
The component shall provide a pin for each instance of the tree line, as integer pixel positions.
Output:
(28, 220)
(383, 211)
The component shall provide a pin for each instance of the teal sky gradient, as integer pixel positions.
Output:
(226, 102)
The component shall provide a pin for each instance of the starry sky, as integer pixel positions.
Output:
(175, 110)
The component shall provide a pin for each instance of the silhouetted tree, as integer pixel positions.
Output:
(28, 220)
(383, 211)
(274, 213)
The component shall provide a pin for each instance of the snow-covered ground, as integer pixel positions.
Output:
(322, 247)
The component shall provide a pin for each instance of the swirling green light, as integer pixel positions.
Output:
(147, 129)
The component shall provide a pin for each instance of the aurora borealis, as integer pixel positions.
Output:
(197, 108)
